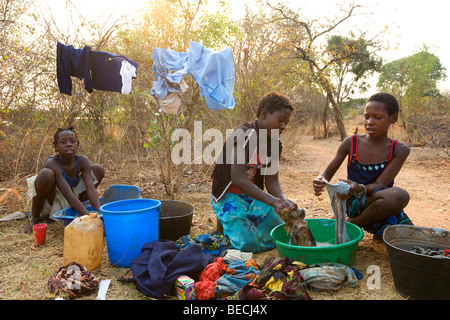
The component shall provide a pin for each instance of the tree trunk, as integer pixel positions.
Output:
(324, 119)
(338, 115)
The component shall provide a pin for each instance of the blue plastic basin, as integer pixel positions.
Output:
(113, 193)
(129, 224)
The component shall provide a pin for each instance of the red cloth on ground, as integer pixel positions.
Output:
(205, 290)
(205, 287)
(214, 270)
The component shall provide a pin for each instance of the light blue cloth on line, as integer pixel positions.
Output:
(246, 222)
(170, 65)
(213, 72)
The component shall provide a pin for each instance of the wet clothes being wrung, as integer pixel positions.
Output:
(339, 209)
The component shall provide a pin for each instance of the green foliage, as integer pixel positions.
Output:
(353, 63)
(412, 79)
(354, 54)
(424, 110)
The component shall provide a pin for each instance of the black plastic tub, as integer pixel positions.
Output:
(175, 219)
(419, 276)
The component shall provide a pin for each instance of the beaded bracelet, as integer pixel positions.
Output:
(362, 194)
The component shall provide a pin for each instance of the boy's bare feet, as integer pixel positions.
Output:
(28, 228)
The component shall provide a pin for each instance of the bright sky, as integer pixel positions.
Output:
(411, 23)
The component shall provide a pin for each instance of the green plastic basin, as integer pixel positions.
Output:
(323, 231)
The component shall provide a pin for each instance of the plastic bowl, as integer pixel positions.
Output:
(113, 193)
(323, 231)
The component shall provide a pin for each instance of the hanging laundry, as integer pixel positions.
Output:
(213, 72)
(169, 82)
(170, 104)
(100, 70)
(339, 208)
(71, 62)
(111, 72)
(169, 67)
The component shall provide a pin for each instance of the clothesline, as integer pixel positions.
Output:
(212, 71)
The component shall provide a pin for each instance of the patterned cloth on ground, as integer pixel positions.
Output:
(238, 274)
(279, 279)
(329, 276)
(221, 278)
(214, 270)
(205, 290)
(213, 243)
(73, 280)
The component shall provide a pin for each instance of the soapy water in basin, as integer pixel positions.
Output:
(324, 244)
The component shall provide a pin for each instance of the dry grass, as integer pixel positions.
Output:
(25, 267)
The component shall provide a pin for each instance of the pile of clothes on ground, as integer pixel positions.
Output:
(208, 268)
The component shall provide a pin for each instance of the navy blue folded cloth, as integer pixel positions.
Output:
(156, 269)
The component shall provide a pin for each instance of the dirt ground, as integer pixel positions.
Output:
(25, 268)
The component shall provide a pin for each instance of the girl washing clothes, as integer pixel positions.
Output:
(65, 180)
(246, 212)
(374, 160)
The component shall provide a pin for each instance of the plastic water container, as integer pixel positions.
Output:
(83, 241)
(129, 224)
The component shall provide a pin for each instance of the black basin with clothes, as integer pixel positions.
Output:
(175, 219)
(424, 275)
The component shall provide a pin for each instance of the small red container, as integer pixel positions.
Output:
(40, 232)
